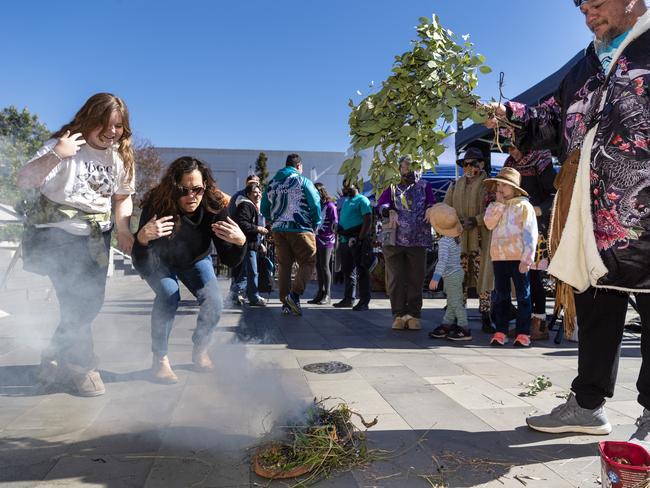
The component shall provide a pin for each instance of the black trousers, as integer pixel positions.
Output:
(354, 273)
(601, 319)
(79, 282)
(323, 270)
(537, 292)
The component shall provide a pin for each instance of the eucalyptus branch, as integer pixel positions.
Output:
(430, 86)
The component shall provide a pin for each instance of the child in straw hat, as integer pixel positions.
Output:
(444, 221)
(511, 218)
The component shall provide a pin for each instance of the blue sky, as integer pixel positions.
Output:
(255, 74)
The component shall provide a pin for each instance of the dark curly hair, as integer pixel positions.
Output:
(163, 198)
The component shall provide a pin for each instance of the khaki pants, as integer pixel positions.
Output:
(298, 247)
(405, 269)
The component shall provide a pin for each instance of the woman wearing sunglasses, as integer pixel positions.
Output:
(180, 218)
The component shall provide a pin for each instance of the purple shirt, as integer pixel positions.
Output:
(410, 203)
(325, 236)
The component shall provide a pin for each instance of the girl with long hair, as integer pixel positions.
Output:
(83, 174)
(325, 243)
(181, 217)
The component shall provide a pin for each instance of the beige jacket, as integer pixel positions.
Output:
(468, 198)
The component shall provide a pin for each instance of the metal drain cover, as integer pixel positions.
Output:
(332, 367)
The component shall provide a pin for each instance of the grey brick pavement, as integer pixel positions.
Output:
(438, 403)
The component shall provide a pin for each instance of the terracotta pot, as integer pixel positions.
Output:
(275, 474)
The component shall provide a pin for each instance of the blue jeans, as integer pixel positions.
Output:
(201, 281)
(504, 271)
(250, 266)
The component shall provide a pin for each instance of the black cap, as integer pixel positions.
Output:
(471, 153)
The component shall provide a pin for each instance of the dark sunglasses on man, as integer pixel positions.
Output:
(195, 190)
(472, 163)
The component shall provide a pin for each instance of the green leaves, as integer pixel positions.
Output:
(539, 384)
(21, 135)
(430, 86)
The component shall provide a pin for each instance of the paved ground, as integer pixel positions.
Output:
(439, 404)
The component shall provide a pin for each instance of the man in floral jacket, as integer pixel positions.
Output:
(601, 112)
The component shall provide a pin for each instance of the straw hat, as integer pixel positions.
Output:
(509, 176)
(444, 220)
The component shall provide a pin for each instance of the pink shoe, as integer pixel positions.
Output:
(522, 340)
(498, 339)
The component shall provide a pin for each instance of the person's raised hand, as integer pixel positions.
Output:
(69, 145)
(155, 229)
(495, 110)
(229, 231)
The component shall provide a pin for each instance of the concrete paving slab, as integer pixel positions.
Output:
(357, 393)
(455, 403)
(475, 393)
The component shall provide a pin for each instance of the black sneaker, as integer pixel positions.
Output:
(315, 300)
(459, 334)
(440, 332)
(293, 302)
(361, 307)
(259, 302)
(345, 303)
(326, 300)
(238, 299)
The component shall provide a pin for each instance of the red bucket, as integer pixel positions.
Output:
(624, 465)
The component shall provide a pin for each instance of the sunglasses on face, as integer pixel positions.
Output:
(195, 190)
(473, 164)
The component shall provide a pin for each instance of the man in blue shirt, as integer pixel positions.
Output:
(354, 228)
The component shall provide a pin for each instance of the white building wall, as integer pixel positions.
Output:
(231, 166)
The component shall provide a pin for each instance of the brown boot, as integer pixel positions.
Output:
(538, 330)
(398, 323)
(162, 371)
(201, 359)
(412, 323)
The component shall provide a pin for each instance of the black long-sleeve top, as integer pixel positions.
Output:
(189, 244)
(247, 217)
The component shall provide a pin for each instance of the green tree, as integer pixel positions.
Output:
(261, 169)
(430, 86)
(21, 135)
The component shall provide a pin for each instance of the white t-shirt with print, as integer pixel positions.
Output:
(86, 181)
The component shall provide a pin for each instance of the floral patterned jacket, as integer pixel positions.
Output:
(619, 159)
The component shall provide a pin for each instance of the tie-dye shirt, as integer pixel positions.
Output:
(514, 230)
